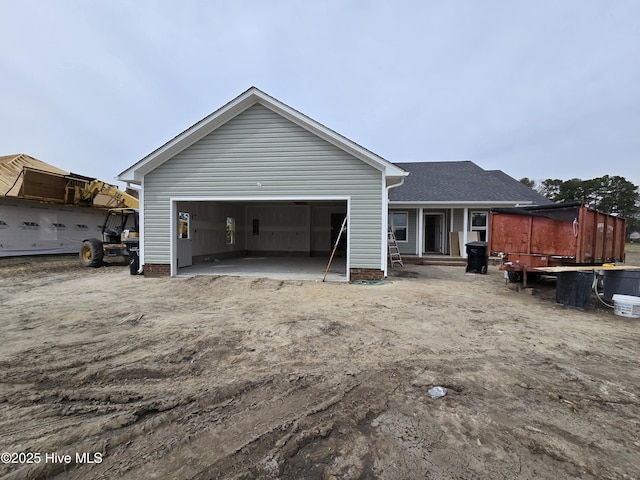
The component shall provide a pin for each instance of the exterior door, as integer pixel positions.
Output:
(185, 248)
(433, 232)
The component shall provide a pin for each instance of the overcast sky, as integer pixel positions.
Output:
(538, 88)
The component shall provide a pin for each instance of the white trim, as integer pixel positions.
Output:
(450, 228)
(385, 224)
(476, 229)
(420, 228)
(465, 228)
(406, 212)
(141, 227)
(384, 246)
(348, 267)
(442, 216)
(173, 254)
(173, 201)
(255, 198)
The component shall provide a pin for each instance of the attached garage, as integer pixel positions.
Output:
(257, 177)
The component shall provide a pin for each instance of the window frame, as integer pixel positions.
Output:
(392, 226)
(475, 228)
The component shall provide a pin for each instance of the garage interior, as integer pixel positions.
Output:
(278, 239)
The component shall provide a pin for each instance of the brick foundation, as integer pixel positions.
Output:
(357, 274)
(157, 270)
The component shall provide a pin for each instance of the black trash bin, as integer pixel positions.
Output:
(477, 257)
(134, 258)
(573, 289)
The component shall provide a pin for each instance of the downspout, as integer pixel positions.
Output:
(173, 247)
(141, 228)
(385, 224)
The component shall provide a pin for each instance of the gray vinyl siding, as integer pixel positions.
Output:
(260, 146)
(458, 220)
(409, 248)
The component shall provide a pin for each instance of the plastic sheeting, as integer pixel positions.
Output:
(33, 228)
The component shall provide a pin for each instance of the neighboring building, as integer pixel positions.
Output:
(33, 220)
(257, 177)
(441, 206)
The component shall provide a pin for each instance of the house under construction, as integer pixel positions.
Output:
(46, 210)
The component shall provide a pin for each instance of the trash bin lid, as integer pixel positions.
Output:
(477, 243)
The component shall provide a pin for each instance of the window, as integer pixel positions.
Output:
(479, 224)
(255, 226)
(399, 225)
(231, 231)
(184, 225)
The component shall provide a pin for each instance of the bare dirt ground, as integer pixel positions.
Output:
(243, 378)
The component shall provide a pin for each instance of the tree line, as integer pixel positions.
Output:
(608, 194)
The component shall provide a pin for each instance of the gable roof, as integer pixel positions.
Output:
(235, 107)
(11, 167)
(461, 181)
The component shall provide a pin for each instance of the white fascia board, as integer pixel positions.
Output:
(461, 204)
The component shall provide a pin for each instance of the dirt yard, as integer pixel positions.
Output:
(243, 378)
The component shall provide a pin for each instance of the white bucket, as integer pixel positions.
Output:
(626, 305)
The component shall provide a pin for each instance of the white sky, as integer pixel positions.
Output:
(538, 88)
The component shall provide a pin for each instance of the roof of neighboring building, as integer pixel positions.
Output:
(238, 105)
(22, 176)
(461, 181)
(11, 169)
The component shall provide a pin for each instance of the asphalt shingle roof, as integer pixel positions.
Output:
(462, 181)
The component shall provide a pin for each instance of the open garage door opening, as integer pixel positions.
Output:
(277, 239)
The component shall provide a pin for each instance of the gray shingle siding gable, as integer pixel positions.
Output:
(260, 146)
(460, 182)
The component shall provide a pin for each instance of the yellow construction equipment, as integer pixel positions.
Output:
(80, 193)
(120, 231)
(119, 238)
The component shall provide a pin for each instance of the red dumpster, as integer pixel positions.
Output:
(554, 235)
